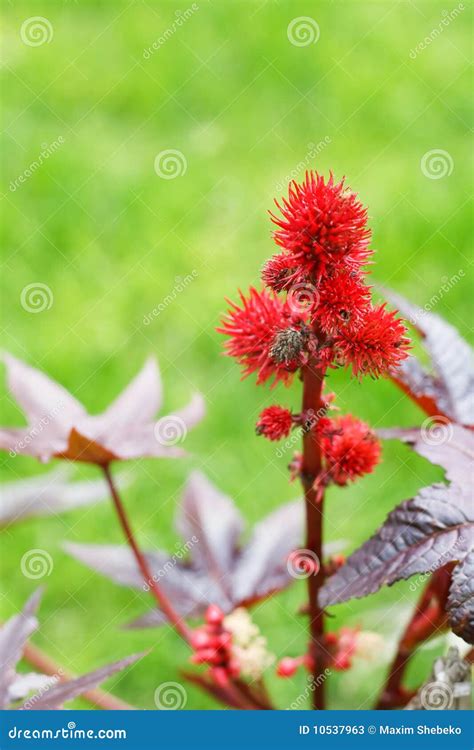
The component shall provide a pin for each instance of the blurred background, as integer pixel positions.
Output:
(246, 96)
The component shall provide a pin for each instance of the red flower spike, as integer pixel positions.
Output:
(287, 666)
(214, 615)
(274, 423)
(284, 271)
(323, 222)
(343, 300)
(350, 448)
(252, 329)
(375, 344)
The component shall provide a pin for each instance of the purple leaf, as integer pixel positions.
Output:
(452, 359)
(460, 603)
(13, 637)
(210, 567)
(53, 698)
(262, 567)
(422, 534)
(211, 525)
(60, 427)
(47, 494)
(442, 443)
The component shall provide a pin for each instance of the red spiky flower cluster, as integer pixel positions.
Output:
(350, 448)
(325, 240)
(326, 318)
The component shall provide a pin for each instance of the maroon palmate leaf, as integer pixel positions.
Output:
(449, 390)
(210, 567)
(461, 599)
(54, 697)
(14, 635)
(59, 426)
(422, 534)
(48, 494)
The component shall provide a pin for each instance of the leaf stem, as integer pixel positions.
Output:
(312, 471)
(229, 691)
(429, 616)
(159, 595)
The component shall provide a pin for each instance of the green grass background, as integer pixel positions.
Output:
(110, 238)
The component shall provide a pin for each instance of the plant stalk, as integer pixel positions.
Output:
(429, 617)
(312, 471)
(159, 595)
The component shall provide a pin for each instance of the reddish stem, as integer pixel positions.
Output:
(312, 471)
(234, 695)
(160, 597)
(41, 661)
(429, 617)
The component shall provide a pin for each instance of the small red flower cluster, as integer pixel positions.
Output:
(275, 423)
(349, 447)
(212, 645)
(328, 313)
